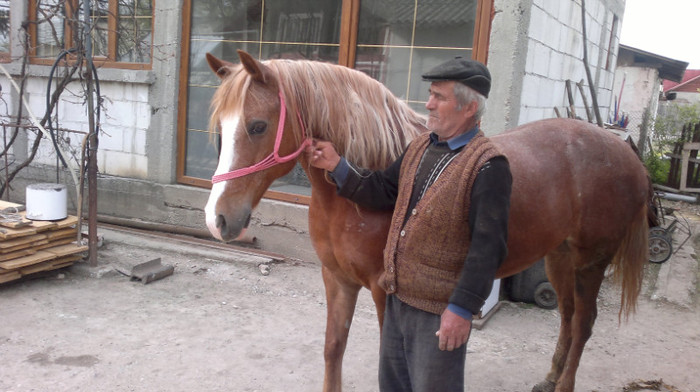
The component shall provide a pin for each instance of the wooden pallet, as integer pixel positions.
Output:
(28, 247)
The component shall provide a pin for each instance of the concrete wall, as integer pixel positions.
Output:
(642, 87)
(536, 45)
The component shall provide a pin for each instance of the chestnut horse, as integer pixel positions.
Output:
(580, 194)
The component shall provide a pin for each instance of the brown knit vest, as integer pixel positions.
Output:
(423, 259)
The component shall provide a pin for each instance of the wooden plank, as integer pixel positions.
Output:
(14, 222)
(50, 265)
(36, 245)
(40, 226)
(17, 254)
(65, 250)
(70, 221)
(55, 243)
(21, 241)
(37, 257)
(6, 204)
(61, 233)
(9, 276)
(7, 233)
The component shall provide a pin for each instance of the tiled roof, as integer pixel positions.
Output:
(689, 77)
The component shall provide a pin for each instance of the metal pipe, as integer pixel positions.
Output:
(166, 228)
(677, 197)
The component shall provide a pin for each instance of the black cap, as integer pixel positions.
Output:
(468, 72)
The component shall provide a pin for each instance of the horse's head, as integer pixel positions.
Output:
(247, 108)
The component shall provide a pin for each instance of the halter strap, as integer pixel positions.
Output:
(274, 158)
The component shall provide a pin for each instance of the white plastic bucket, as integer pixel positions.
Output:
(46, 202)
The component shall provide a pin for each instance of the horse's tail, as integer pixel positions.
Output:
(629, 262)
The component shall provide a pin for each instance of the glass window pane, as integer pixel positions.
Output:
(202, 155)
(198, 108)
(223, 26)
(445, 23)
(423, 61)
(100, 24)
(302, 21)
(398, 40)
(277, 50)
(50, 16)
(4, 25)
(296, 29)
(134, 31)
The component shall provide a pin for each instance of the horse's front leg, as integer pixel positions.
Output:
(379, 298)
(342, 298)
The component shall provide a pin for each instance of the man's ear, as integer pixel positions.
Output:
(470, 109)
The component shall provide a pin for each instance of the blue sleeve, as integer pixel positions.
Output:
(460, 311)
(340, 174)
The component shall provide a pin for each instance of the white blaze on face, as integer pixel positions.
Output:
(228, 130)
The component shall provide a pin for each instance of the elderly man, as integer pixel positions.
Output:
(450, 192)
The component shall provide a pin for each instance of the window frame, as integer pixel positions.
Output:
(110, 60)
(5, 56)
(348, 44)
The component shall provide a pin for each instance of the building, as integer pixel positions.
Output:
(155, 156)
(685, 91)
(637, 87)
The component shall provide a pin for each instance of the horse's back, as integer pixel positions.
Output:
(572, 181)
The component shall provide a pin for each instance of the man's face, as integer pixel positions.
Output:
(445, 120)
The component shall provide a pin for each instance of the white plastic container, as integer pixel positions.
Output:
(46, 202)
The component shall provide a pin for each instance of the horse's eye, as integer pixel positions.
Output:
(257, 127)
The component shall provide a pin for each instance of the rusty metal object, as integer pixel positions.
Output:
(150, 271)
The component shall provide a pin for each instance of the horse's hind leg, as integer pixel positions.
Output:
(342, 298)
(577, 284)
(560, 271)
(588, 281)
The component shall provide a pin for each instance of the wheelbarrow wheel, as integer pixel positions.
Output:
(660, 248)
(545, 296)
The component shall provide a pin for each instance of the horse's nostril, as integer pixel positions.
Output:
(220, 222)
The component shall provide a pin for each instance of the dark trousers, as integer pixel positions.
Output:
(409, 357)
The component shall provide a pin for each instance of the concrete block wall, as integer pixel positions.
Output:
(555, 53)
(124, 119)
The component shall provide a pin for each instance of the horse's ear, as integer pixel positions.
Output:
(220, 67)
(253, 66)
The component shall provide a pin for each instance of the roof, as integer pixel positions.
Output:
(669, 69)
(691, 78)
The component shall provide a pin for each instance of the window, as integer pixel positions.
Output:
(4, 30)
(121, 36)
(393, 41)
(398, 40)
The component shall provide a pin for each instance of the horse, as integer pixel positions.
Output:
(580, 196)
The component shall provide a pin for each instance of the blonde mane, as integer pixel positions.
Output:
(365, 122)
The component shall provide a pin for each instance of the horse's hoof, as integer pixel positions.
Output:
(544, 386)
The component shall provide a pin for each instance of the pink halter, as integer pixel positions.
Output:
(274, 158)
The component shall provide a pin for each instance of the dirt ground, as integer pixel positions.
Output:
(220, 324)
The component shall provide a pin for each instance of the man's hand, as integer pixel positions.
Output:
(454, 331)
(322, 155)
